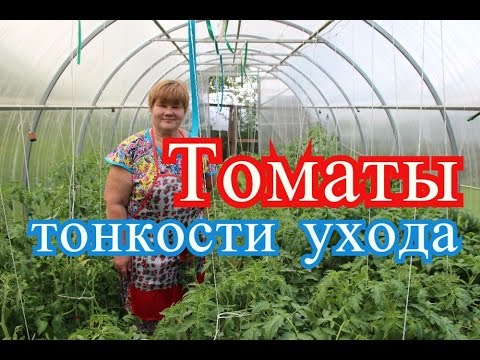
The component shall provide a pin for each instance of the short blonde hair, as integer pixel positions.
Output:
(169, 92)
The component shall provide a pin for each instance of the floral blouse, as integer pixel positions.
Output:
(135, 154)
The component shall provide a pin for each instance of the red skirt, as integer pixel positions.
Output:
(148, 305)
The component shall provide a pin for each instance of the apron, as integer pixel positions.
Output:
(154, 282)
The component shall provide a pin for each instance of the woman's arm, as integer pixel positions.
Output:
(118, 188)
(210, 181)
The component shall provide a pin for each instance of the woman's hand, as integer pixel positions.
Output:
(123, 265)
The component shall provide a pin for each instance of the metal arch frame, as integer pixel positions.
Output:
(60, 71)
(85, 122)
(359, 70)
(296, 83)
(50, 87)
(130, 130)
(426, 80)
(288, 23)
(308, 79)
(173, 67)
(87, 116)
(133, 87)
(362, 138)
(337, 85)
(83, 129)
(86, 119)
(273, 128)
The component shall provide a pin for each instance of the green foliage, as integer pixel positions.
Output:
(323, 144)
(343, 298)
(61, 297)
(230, 82)
(108, 327)
(245, 97)
(49, 297)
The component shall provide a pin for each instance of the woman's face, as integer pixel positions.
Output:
(166, 118)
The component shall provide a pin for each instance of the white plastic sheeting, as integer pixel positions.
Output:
(383, 87)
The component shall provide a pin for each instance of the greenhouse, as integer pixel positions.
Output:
(73, 90)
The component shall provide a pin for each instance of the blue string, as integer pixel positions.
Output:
(216, 94)
(192, 59)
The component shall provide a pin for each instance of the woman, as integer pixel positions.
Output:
(141, 187)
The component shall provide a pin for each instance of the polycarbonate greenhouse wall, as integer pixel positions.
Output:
(381, 87)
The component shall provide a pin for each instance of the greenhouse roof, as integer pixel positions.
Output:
(382, 87)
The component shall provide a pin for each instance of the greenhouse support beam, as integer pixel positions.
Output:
(398, 144)
(426, 80)
(337, 85)
(121, 107)
(401, 107)
(360, 71)
(250, 54)
(50, 86)
(131, 89)
(83, 128)
(242, 40)
(168, 37)
(64, 107)
(173, 67)
(253, 65)
(473, 116)
(109, 78)
(324, 26)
